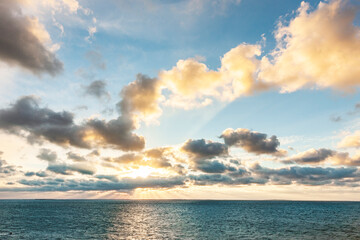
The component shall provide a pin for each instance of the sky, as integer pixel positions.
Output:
(180, 99)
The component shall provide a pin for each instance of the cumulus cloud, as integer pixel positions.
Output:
(351, 140)
(97, 89)
(202, 152)
(204, 149)
(59, 127)
(316, 49)
(192, 84)
(23, 41)
(253, 142)
(141, 97)
(345, 159)
(116, 133)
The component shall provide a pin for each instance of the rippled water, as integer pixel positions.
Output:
(101, 219)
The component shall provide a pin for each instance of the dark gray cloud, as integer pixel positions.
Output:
(253, 142)
(26, 113)
(201, 152)
(20, 46)
(118, 133)
(59, 127)
(204, 149)
(311, 156)
(69, 169)
(97, 89)
(47, 155)
(56, 127)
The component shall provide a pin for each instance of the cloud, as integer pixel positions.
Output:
(204, 149)
(306, 175)
(126, 158)
(6, 169)
(91, 30)
(323, 155)
(346, 160)
(97, 89)
(224, 179)
(187, 74)
(38, 174)
(141, 97)
(23, 40)
(122, 185)
(212, 166)
(311, 156)
(75, 157)
(47, 155)
(316, 49)
(154, 157)
(59, 127)
(351, 140)
(192, 84)
(201, 152)
(253, 142)
(116, 133)
(69, 169)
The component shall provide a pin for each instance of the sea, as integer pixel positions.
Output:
(178, 219)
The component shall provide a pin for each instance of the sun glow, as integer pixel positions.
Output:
(143, 171)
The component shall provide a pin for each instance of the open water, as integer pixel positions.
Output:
(159, 219)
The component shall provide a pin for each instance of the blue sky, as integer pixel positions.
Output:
(74, 111)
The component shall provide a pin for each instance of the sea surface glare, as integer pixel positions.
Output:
(112, 219)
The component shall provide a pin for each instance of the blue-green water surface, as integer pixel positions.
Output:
(112, 219)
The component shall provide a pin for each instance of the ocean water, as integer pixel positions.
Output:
(112, 219)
